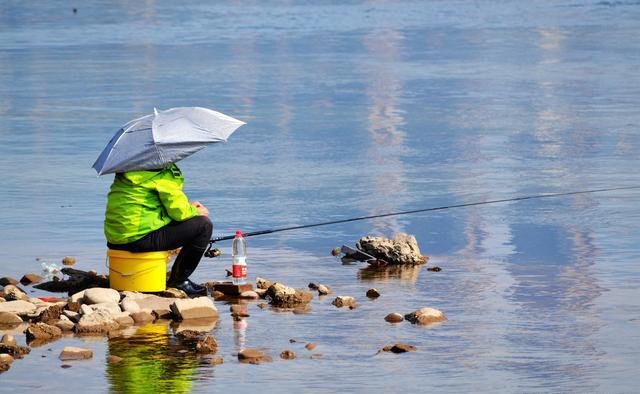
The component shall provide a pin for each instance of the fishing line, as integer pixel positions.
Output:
(441, 208)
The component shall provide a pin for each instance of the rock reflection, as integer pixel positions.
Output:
(404, 273)
(152, 361)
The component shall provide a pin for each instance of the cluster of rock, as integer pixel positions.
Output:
(94, 311)
(401, 249)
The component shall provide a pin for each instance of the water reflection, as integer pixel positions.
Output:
(152, 361)
(403, 273)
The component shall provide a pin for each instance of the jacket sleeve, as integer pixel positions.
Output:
(174, 200)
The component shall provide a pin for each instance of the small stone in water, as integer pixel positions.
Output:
(335, 252)
(310, 346)
(373, 293)
(216, 360)
(434, 269)
(70, 353)
(287, 355)
(394, 318)
(114, 359)
(323, 290)
(399, 348)
(313, 286)
(68, 260)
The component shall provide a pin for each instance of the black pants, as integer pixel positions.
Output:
(192, 235)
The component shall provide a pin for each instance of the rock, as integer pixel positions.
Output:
(171, 292)
(323, 290)
(77, 297)
(71, 353)
(394, 318)
(316, 356)
(142, 317)
(73, 306)
(43, 331)
(124, 320)
(335, 252)
(112, 308)
(64, 325)
(5, 362)
(162, 314)
(310, 346)
(301, 310)
(112, 359)
(99, 295)
(399, 348)
(7, 280)
(77, 281)
(68, 260)
(425, 316)
(434, 269)
(8, 339)
(98, 322)
(51, 313)
(287, 355)
(216, 360)
(17, 307)
(373, 293)
(402, 249)
(188, 335)
(9, 318)
(262, 305)
(195, 308)
(287, 297)
(253, 356)
(206, 345)
(85, 309)
(129, 305)
(73, 316)
(249, 295)
(261, 292)
(14, 293)
(30, 279)
(149, 302)
(312, 286)
(262, 283)
(217, 294)
(342, 301)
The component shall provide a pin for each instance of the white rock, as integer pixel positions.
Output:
(195, 308)
(249, 294)
(18, 307)
(425, 316)
(129, 305)
(98, 295)
(78, 297)
(86, 309)
(113, 309)
(75, 353)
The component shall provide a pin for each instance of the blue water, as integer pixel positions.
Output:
(352, 108)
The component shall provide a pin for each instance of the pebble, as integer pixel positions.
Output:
(253, 356)
(434, 269)
(250, 294)
(394, 318)
(68, 260)
(71, 353)
(287, 355)
(310, 346)
(373, 293)
(335, 252)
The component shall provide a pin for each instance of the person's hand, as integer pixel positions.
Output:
(202, 210)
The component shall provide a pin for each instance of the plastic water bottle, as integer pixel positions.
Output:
(239, 258)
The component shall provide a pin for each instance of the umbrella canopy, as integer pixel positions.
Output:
(164, 137)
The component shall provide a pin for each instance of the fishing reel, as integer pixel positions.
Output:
(212, 252)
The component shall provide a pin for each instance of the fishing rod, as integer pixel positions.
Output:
(214, 252)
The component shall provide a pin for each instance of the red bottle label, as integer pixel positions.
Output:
(239, 271)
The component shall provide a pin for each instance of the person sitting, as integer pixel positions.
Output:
(147, 211)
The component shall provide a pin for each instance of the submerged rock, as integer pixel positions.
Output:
(283, 296)
(399, 348)
(216, 360)
(394, 318)
(253, 356)
(287, 355)
(373, 293)
(342, 301)
(425, 316)
(71, 353)
(402, 249)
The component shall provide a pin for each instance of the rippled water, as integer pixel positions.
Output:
(353, 108)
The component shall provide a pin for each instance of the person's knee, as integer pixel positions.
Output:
(205, 225)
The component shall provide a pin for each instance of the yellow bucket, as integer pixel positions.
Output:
(137, 271)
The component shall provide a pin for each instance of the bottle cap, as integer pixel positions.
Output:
(238, 233)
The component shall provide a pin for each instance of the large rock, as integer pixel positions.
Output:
(9, 318)
(129, 305)
(402, 249)
(98, 322)
(71, 353)
(195, 308)
(283, 296)
(425, 316)
(142, 317)
(99, 295)
(18, 307)
(145, 302)
(43, 331)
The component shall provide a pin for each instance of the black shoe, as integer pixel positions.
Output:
(192, 289)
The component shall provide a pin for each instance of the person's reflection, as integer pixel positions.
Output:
(152, 362)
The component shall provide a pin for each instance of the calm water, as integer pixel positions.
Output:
(353, 108)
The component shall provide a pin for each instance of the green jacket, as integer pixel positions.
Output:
(140, 202)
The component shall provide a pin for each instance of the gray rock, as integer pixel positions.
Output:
(98, 322)
(98, 295)
(402, 249)
(18, 307)
(73, 316)
(195, 308)
(77, 297)
(86, 309)
(425, 316)
(64, 325)
(342, 301)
